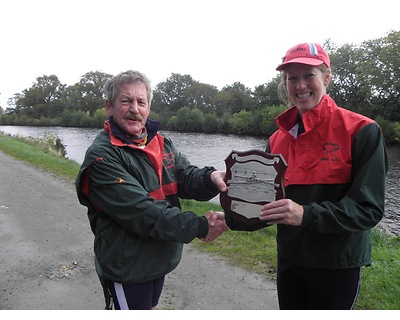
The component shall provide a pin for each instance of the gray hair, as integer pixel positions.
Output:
(130, 76)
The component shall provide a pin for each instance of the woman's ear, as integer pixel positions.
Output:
(328, 78)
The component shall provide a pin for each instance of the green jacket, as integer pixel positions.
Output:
(337, 171)
(137, 222)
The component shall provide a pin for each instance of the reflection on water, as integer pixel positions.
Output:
(392, 210)
(201, 149)
(209, 149)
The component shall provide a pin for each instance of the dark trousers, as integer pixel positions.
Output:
(139, 296)
(316, 289)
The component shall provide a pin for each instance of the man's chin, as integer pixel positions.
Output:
(134, 130)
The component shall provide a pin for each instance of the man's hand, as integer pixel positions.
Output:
(217, 177)
(216, 225)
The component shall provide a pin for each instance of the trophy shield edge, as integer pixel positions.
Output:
(226, 201)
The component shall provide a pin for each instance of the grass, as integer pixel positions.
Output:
(39, 153)
(255, 251)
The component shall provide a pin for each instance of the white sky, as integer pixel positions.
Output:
(217, 42)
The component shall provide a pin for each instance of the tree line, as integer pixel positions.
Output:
(366, 79)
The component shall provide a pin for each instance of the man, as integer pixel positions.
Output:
(131, 180)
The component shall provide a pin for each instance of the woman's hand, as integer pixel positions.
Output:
(284, 211)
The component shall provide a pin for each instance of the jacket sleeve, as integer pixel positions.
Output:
(362, 205)
(193, 182)
(118, 195)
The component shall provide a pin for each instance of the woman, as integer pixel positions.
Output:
(334, 186)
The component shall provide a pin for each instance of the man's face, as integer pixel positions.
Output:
(130, 108)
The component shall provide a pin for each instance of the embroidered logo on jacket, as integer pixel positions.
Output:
(169, 160)
(329, 150)
(120, 180)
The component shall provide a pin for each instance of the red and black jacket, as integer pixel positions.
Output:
(337, 171)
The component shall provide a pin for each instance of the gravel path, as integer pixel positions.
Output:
(46, 255)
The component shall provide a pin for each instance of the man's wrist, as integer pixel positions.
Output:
(202, 229)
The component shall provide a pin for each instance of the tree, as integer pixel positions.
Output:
(201, 96)
(367, 77)
(210, 123)
(347, 87)
(235, 97)
(380, 72)
(190, 120)
(42, 99)
(267, 94)
(71, 98)
(87, 95)
(240, 121)
(169, 96)
(99, 117)
(13, 104)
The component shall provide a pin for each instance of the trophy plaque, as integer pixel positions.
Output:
(253, 178)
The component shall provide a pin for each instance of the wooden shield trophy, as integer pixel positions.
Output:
(254, 178)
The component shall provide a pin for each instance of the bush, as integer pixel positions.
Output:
(210, 124)
(391, 130)
(240, 122)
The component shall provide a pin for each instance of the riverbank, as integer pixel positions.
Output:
(46, 258)
(207, 149)
(379, 291)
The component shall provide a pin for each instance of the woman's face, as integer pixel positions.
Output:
(306, 85)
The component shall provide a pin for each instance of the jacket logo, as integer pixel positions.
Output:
(120, 180)
(329, 150)
(168, 160)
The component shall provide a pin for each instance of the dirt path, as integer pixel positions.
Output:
(46, 255)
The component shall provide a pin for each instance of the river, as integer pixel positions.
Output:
(209, 149)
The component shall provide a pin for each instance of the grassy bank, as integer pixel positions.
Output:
(39, 153)
(255, 251)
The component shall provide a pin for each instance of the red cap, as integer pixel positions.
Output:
(306, 53)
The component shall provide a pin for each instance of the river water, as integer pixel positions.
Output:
(209, 149)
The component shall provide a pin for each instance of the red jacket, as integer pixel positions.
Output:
(336, 171)
(323, 152)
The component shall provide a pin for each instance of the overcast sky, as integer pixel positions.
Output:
(215, 41)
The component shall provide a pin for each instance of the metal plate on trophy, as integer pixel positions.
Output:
(253, 178)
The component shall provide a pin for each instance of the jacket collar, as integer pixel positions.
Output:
(111, 127)
(288, 119)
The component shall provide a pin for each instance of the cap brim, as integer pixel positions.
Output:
(302, 60)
